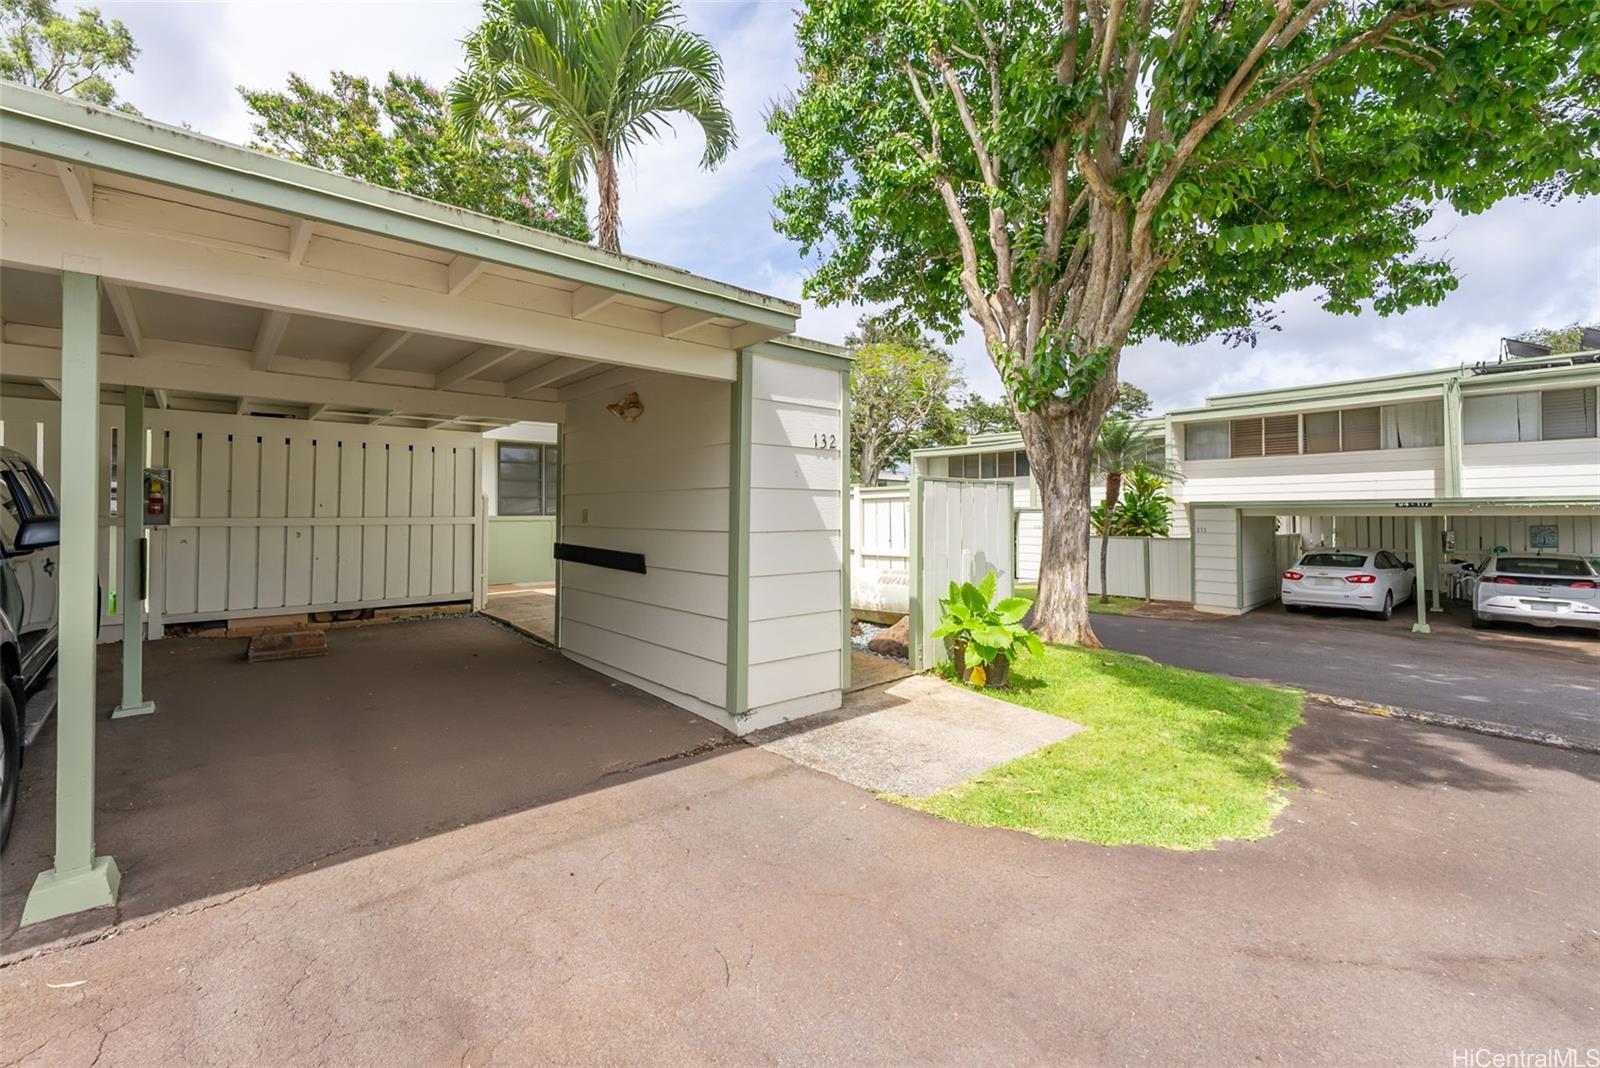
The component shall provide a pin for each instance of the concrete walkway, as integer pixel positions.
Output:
(914, 737)
(527, 609)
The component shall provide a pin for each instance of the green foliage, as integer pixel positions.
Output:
(397, 135)
(987, 630)
(1336, 148)
(1131, 403)
(1144, 509)
(900, 388)
(1171, 758)
(595, 79)
(1560, 339)
(76, 56)
(975, 415)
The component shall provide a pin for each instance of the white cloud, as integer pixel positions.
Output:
(1521, 264)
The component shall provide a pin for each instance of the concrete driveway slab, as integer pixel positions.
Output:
(1426, 892)
(914, 737)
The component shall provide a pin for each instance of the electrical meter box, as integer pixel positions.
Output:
(1448, 541)
(157, 496)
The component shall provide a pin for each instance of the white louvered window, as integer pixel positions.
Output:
(1205, 441)
(526, 480)
(1567, 413)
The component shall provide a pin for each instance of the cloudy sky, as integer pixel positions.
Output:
(1522, 265)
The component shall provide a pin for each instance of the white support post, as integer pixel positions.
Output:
(130, 501)
(79, 880)
(1420, 594)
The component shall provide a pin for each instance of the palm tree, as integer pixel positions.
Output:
(1123, 446)
(594, 78)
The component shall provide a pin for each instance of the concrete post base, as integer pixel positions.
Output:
(143, 708)
(61, 894)
(1421, 628)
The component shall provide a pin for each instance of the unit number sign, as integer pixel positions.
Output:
(825, 441)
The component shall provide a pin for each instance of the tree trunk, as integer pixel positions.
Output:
(1060, 442)
(1113, 491)
(606, 177)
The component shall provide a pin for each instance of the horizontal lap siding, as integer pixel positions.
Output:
(798, 445)
(285, 515)
(1216, 559)
(1532, 469)
(1385, 474)
(658, 487)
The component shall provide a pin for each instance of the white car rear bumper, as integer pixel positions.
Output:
(1359, 597)
(1551, 613)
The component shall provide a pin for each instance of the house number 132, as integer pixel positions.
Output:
(824, 441)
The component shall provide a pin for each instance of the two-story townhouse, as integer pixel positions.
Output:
(1433, 465)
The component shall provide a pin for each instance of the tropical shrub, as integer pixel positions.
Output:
(986, 630)
(1145, 510)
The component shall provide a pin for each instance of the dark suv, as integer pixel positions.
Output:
(29, 530)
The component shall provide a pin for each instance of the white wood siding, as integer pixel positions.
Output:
(1216, 560)
(1382, 474)
(1554, 469)
(1258, 560)
(659, 487)
(1030, 544)
(284, 515)
(796, 540)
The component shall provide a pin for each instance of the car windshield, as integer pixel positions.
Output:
(1553, 566)
(1334, 560)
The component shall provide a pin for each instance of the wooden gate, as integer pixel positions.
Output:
(963, 531)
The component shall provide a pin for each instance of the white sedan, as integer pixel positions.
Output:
(1368, 580)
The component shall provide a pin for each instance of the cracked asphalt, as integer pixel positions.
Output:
(1426, 891)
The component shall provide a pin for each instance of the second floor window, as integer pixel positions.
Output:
(1390, 426)
(1548, 415)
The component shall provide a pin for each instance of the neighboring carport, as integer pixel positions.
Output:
(227, 299)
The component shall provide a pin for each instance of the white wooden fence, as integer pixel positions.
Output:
(963, 531)
(1156, 568)
(283, 515)
(880, 549)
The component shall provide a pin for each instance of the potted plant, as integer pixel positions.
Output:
(985, 638)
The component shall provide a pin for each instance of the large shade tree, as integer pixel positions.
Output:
(595, 78)
(1081, 175)
(396, 134)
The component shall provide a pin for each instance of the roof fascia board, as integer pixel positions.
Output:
(1326, 402)
(1430, 505)
(804, 351)
(62, 129)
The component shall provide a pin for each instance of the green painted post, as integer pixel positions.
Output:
(1420, 595)
(130, 500)
(79, 880)
(740, 404)
(844, 524)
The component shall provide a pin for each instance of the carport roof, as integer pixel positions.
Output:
(70, 130)
(236, 280)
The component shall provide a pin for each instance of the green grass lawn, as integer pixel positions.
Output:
(1118, 606)
(1171, 758)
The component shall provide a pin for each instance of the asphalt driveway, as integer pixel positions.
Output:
(1427, 891)
(1512, 677)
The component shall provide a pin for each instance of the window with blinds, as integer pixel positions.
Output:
(1360, 429)
(1322, 432)
(1500, 417)
(526, 480)
(1280, 435)
(1567, 413)
(1245, 437)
